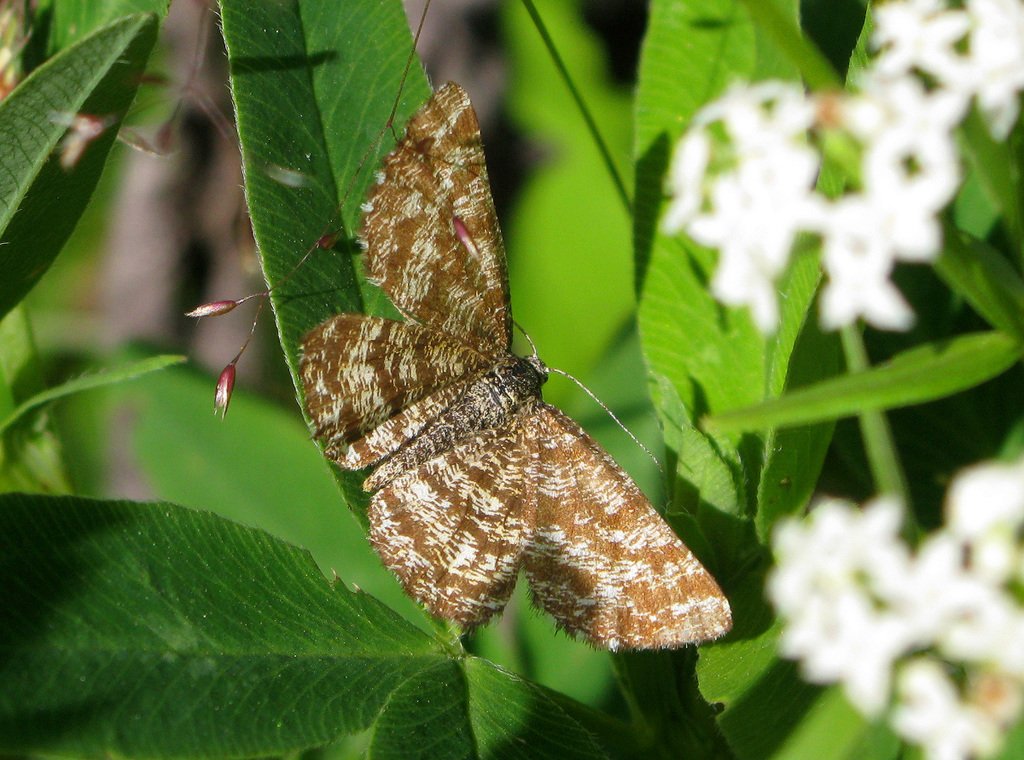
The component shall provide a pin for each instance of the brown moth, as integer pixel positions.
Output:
(475, 476)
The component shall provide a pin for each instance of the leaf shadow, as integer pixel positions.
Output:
(43, 569)
(258, 64)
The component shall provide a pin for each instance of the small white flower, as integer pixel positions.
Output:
(743, 280)
(835, 546)
(829, 575)
(929, 712)
(989, 630)
(742, 178)
(986, 498)
(997, 60)
(910, 165)
(842, 638)
(945, 623)
(919, 35)
(761, 113)
(997, 696)
(746, 190)
(985, 510)
(933, 592)
(909, 181)
(858, 258)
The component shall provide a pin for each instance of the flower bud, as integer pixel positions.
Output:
(225, 384)
(212, 309)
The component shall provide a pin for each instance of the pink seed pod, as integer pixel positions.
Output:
(225, 384)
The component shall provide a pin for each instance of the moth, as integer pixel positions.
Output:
(476, 478)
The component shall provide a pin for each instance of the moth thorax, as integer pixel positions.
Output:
(517, 380)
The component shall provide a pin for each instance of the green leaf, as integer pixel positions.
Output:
(75, 19)
(713, 356)
(517, 719)
(708, 502)
(924, 373)
(996, 164)
(687, 337)
(763, 697)
(40, 203)
(793, 456)
(830, 727)
(777, 21)
(149, 629)
(153, 630)
(985, 279)
(769, 710)
(333, 78)
(30, 456)
(97, 379)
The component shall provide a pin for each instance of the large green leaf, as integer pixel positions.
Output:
(150, 630)
(712, 356)
(331, 73)
(40, 203)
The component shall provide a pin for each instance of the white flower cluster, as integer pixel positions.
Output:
(934, 638)
(743, 176)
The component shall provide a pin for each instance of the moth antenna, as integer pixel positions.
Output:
(533, 346)
(610, 413)
(390, 124)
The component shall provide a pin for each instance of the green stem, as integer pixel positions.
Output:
(883, 459)
(449, 636)
(595, 133)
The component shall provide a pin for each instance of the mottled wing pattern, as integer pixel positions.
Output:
(434, 175)
(453, 529)
(601, 561)
(359, 371)
(386, 437)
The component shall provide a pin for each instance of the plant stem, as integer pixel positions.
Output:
(595, 133)
(883, 459)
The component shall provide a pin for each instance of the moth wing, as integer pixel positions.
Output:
(359, 371)
(601, 560)
(389, 436)
(436, 173)
(453, 528)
